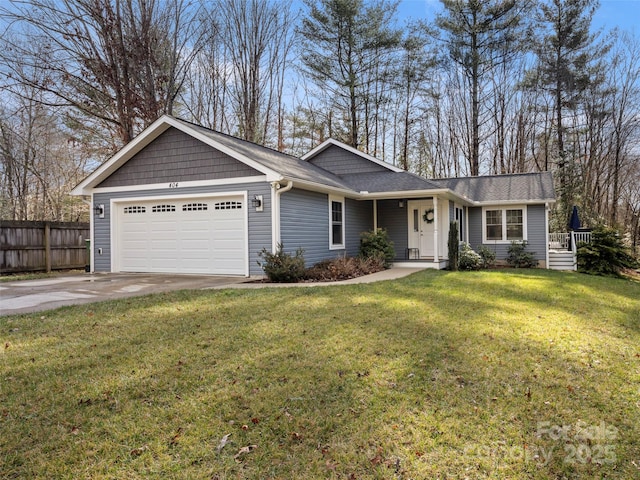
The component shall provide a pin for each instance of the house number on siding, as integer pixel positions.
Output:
(173, 185)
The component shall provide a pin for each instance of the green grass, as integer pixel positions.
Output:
(439, 375)
(16, 277)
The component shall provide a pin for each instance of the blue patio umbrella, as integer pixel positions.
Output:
(574, 223)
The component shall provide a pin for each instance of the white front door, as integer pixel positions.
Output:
(421, 229)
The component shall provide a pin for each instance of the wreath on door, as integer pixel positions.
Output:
(429, 216)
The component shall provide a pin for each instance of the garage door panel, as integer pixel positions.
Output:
(201, 235)
(165, 244)
(200, 245)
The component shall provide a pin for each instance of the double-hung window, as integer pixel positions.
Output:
(504, 225)
(336, 222)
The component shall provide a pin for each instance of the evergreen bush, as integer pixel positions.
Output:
(518, 257)
(454, 246)
(487, 257)
(376, 244)
(282, 267)
(605, 255)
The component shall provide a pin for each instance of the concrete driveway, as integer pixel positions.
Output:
(36, 295)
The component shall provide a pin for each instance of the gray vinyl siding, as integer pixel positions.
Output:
(177, 157)
(475, 227)
(359, 216)
(341, 162)
(536, 232)
(259, 222)
(393, 218)
(304, 223)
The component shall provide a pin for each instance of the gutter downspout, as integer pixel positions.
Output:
(276, 191)
(90, 203)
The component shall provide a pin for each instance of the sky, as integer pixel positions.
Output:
(624, 14)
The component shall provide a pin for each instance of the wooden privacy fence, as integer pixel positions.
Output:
(42, 246)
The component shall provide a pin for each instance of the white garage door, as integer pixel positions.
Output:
(202, 235)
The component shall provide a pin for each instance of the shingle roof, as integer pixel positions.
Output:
(500, 188)
(286, 165)
(379, 182)
(497, 188)
(517, 187)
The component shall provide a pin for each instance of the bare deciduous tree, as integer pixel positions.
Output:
(118, 63)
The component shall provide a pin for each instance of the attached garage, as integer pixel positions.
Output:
(198, 235)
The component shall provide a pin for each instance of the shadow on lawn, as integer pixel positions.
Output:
(424, 376)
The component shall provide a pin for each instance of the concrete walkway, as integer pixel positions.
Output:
(29, 296)
(390, 274)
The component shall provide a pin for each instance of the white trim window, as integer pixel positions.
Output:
(504, 224)
(336, 223)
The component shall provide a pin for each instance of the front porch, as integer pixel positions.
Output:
(418, 227)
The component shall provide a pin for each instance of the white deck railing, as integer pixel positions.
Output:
(562, 241)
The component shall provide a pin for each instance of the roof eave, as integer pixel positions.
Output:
(529, 201)
(321, 187)
(365, 195)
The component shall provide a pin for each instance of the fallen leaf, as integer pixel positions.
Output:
(136, 452)
(174, 439)
(245, 427)
(75, 430)
(255, 421)
(244, 450)
(223, 442)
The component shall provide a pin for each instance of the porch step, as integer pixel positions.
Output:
(562, 260)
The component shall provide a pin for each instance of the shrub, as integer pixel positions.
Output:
(454, 246)
(487, 257)
(343, 268)
(518, 257)
(605, 255)
(469, 260)
(282, 267)
(376, 244)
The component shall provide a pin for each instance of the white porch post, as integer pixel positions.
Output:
(375, 215)
(435, 229)
(546, 234)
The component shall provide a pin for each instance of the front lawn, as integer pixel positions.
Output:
(492, 374)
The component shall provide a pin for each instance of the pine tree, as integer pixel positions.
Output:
(565, 48)
(344, 43)
(475, 33)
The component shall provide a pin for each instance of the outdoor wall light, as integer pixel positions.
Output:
(400, 203)
(98, 210)
(257, 203)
